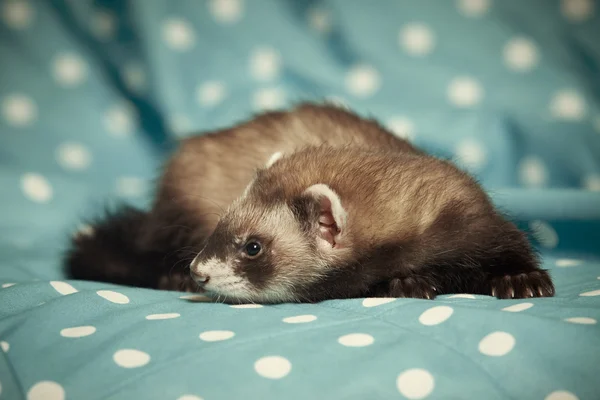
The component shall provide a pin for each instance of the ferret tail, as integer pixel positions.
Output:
(108, 251)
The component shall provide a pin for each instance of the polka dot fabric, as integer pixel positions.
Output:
(95, 94)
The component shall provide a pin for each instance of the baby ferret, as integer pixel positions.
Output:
(312, 204)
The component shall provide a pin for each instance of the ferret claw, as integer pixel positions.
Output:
(530, 284)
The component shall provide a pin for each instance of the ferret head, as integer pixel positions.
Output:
(270, 247)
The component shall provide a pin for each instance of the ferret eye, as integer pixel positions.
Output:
(252, 249)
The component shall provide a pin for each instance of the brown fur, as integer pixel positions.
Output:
(417, 226)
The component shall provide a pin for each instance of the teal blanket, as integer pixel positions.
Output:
(95, 93)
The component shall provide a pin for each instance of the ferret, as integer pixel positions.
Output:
(310, 204)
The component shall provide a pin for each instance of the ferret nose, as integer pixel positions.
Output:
(198, 276)
(201, 278)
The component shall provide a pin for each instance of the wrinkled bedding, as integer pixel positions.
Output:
(95, 94)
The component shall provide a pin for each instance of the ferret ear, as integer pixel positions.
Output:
(273, 159)
(331, 217)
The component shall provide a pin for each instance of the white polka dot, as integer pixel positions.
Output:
(532, 172)
(268, 99)
(265, 63)
(113, 297)
(415, 383)
(568, 105)
(582, 320)
(377, 301)
(36, 188)
(402, 127)
(196, 298)
(544, 233)
(17, 14)
(226, 11)
(362, 81)
(246, 306)
(567, 262)
(78, 331)
(180, 124)
(561, 395)
(130, 186)
(189, 397)
(19, 110)
(120, 119)
(178, 34)
(471, 153)
(591, 293)
(163, 316)
(134, 76)
(300, 319)
(210, 93)
(7, 285)
(216, 336)
(84, 230)
(63, 288)
(319, 20)
(103, 25)
(74, 156)
(497, 344)
(518, 307)
(131, 358)
(465, 92)
(356, 340)
(273, 367)
(461, 296)
(416, 39)
(577, 10)
(474, 8)
(520, 54)
(435, 315)
(4, 346)
(46, 390)
(69, 69)
(592, 183)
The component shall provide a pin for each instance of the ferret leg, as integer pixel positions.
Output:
(412, 286)
(512, 268)
(487, 254)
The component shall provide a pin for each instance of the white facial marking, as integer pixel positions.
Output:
(274, 157)
(215, 269)
(221, 277)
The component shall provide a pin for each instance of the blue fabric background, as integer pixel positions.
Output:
(94, 94)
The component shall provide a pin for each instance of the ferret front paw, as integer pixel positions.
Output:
(520, 286)
(413, 287)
